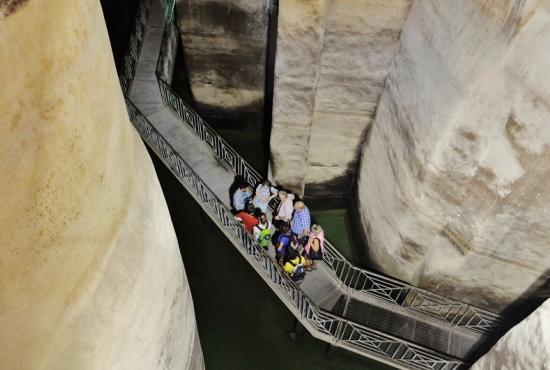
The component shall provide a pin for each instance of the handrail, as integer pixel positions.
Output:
(358, 280)
(333, 329)
(129, 63)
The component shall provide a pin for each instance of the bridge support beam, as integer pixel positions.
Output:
(298, 330)
(329, 351)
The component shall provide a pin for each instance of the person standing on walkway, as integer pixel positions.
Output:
(247, 217)
(314, 247)
(285, 209)
(282, 243)
(262, 231)
(295, 266)
(241, 196)
(264, 193)
(301, 221)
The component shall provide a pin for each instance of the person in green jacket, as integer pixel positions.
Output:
(262, 231)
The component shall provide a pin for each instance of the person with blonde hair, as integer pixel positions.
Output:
(314, 248)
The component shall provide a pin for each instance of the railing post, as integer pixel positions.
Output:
(298, 330)
(346, 305)
(329, 351)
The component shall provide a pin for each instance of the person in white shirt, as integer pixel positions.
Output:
(285, 209)
(264, 193)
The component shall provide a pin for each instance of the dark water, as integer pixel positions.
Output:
(242, 324)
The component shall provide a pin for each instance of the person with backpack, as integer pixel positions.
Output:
(313, 250)
(295, 266)
(262, 231)
(282, 243)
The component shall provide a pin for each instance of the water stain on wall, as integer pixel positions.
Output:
(8, 7)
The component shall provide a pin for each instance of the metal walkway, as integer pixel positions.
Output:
(348, 307)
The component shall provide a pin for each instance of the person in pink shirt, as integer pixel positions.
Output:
(313, 250)
(285, 209)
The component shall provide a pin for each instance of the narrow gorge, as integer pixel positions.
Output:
(416, 132)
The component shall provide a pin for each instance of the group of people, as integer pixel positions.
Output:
(298, 244)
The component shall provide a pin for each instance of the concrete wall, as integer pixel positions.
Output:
(526, 346)
(224, 44)
(90, 271)
(332, 60)
(453, 183)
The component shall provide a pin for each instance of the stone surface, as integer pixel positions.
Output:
(453, 182)
(224, 45)
(90, 271)
(333, 57)
(526, 346)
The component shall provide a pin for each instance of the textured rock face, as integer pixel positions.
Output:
(453, 183)
(332, 60)
(90, 272)
(224, 43)
(526, 346)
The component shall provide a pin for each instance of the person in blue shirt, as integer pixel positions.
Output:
(282, 243)
(301, 221)
(241, 196)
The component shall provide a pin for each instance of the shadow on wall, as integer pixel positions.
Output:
(517, 311)
(530, 300)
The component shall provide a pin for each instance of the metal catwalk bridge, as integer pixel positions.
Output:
(343, 305)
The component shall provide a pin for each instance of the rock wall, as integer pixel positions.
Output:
(526, 346)
(332, 59)
(90, 271)
(453, 179)
(224, 47)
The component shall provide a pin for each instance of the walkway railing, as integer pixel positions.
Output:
(129, 63)
(359, 280)
(327, 326)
